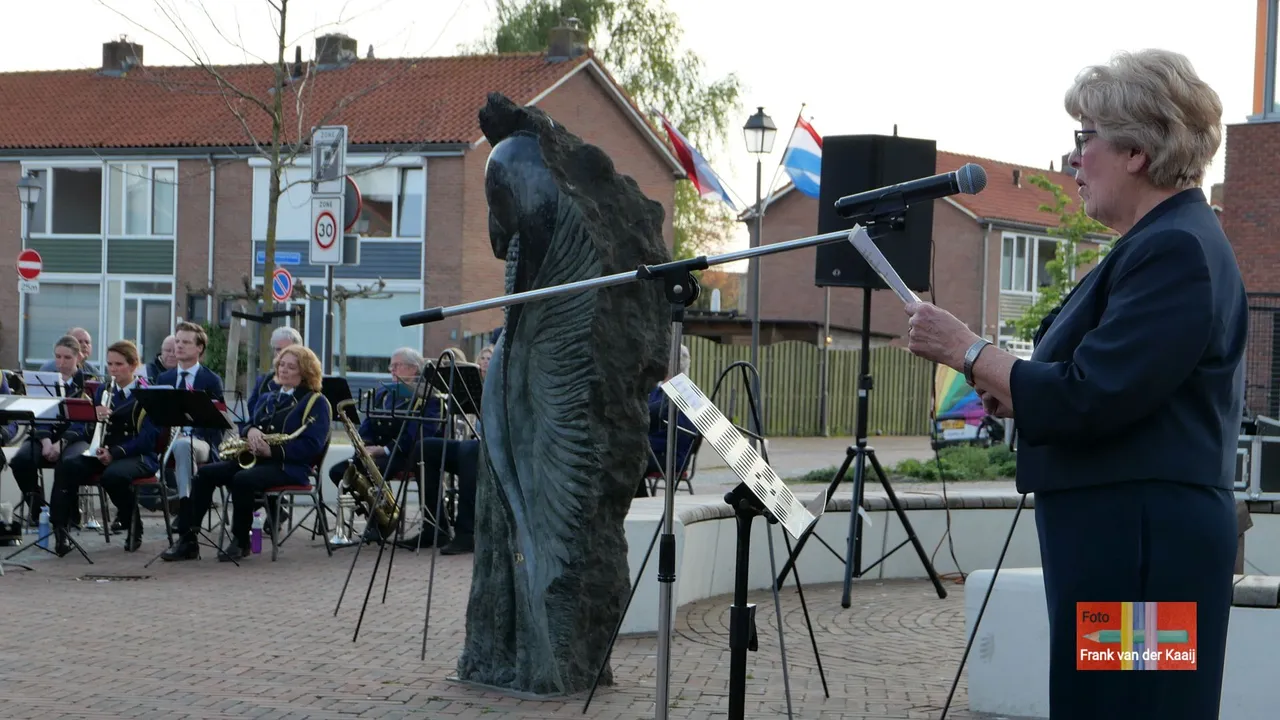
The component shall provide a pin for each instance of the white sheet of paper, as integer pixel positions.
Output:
(42, 383)
(863, 243)
(742, 458)
(40, 408)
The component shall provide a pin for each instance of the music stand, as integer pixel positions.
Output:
(22, 409)
(174, 408)
(468, 386)
(71, 410)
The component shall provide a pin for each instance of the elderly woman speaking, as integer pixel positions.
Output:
(1129, 408)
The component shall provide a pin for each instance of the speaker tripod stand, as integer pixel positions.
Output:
(858, 456)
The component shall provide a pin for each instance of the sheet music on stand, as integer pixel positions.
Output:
(743, 459)
(468, 385)
(42, 383)
(29, 408)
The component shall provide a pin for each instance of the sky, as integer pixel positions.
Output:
(983, 77)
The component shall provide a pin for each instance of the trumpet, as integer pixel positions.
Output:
(100, 432)
(239, 447)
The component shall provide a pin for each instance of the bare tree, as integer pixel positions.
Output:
(277, 124)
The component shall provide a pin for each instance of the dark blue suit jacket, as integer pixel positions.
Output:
(131, 433)
(279, 413)
(686, 431)
(265, 384)
(208, 381)
(1140, 374)
(386, 432)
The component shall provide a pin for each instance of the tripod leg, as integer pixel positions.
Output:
(804, 608)
(618, 628)
(777, 609)
(350, 570)
(382, 545)
(831, 489)
(983, 609)
(906, 524)
(853, 554)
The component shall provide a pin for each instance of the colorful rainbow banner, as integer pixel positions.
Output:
(955, 399)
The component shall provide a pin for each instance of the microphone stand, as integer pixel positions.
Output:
(680, 290)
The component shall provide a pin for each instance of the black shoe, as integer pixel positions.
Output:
(237, 549)
(134, 540)
(63, 545)
(461, 544)
(186, 549)
(117, 527)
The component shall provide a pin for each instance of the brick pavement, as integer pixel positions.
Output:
(210, 640)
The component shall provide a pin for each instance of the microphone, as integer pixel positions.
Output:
(970, 179)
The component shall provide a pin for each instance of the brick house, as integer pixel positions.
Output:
(153, 191)
(989, 254)
(1251, 216)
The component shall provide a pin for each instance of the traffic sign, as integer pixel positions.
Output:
(326, 230)
(29, 264)
(281, 285)
(328, 159)
(353, 203)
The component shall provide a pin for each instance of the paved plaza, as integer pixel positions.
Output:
(211, 640)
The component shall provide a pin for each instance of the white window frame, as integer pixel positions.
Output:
(151, 167)
(1033, 260)
(99, 349)
(125, 296)
(46, 194)
(400, 287)
(357, 164)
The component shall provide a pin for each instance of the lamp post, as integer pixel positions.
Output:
(759, 133)
(28, 194)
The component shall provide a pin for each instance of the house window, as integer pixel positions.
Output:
(141, 200)
(1024, 262)
(54, 310)
(391, 202)
(71, 203)
(141, 312)
(370, 338)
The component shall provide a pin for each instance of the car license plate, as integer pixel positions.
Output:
(952, 424)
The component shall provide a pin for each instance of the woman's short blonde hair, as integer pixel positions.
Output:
(308, 365)
(1153, 101)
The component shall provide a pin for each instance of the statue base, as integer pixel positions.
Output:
(519, 694)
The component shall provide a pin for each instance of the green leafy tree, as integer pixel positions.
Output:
(639, 42)
(1074, 227)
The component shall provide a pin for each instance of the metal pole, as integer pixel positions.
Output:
(756, 241)
(824, 393)
(328, 320)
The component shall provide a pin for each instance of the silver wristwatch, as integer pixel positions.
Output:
(971, 356)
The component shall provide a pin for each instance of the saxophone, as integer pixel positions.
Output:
(239, 447)
(365, 482)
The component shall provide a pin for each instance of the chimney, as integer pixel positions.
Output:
(335, 49)
(1017, 177)
(121, 55)
(566, 41)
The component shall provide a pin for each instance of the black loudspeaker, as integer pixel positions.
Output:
(857, 163)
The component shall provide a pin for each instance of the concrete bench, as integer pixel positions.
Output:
(1008, 668)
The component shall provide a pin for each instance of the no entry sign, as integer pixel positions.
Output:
(29, 264)
(281, 285)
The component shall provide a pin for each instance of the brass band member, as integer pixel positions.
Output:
(85, 344)
(381, 435)
(10, 431)
(298, 408)
(195, 447)
(49, 442)
(281, 338)
(127, 452)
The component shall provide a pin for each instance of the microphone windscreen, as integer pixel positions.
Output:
(971, 178)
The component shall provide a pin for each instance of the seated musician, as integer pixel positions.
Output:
(167, 359)
(51, 441)
(390, 441)
(686, 432)
(297, 408)
(127, 451)
(10, 431)
(281, 338)
(198, 445)
(85, 342)
(461, 457)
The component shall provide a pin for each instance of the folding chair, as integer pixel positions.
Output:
(685, 475)
(316, 492)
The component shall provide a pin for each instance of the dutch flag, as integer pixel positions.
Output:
(695, 166)
(803, 159)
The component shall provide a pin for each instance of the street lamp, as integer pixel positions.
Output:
(28, 191)
(759, 133)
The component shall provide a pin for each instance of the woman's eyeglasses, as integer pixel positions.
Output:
(1080, 137)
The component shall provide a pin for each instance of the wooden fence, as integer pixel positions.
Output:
(791, 382)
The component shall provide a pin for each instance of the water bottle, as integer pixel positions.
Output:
(45, 531)
(255, 535)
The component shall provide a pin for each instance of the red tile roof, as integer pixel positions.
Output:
(401, 101)
(1001, 199)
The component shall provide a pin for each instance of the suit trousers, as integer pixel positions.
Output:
(26, 464)
(244, 486)
(1138, 541)
(188, 454)
(116, 478)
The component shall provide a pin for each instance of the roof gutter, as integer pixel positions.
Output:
(208, 299)
(224, 152)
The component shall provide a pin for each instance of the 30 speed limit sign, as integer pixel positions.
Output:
(326, 230)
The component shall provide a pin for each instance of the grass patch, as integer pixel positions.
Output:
(958, 463)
